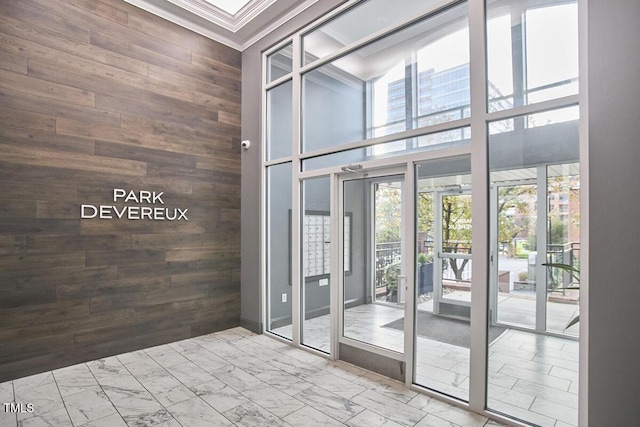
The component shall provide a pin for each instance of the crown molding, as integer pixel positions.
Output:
(219, 17)
(212, 22)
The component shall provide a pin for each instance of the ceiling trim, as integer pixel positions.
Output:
(290, 15)
(211, 29)
(219, 17)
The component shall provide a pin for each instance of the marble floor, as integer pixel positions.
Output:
(532, 377)
(229, 378)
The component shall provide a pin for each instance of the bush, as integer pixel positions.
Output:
(523, 276)
(390, 279)
(424, 258)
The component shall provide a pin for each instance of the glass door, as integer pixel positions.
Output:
(441, 360)
(373, 262)
(513, 252)
(453, 250)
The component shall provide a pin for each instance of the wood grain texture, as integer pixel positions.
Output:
(97, 95)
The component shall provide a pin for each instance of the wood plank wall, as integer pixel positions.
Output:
(97, 95)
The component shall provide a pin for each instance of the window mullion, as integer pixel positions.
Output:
(296, 291)
(480, 207)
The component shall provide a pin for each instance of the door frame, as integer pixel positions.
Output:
(337, 248)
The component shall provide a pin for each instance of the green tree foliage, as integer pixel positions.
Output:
(388, 213)
(456, 229)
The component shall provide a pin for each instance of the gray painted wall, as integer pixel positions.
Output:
(614, 203)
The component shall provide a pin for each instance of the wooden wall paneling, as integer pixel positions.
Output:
(12, 244)
(65, 48)
(25, 119)
(97, 95)
(13, 63)
(149, 155)
(90, 163)
(25, 11)
(46, 89)
(113, 12)
(43, 105)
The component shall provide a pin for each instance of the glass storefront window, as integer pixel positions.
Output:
(279, 121)
(443, 275)
(316, 265)
(524, 37)
(396, 97)
(434, 141)
(535, 220)
(279, 282)
(414, 78)
(358, 22)
(280, 63)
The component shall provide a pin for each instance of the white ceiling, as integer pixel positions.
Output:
(236, 23)
(230, 6)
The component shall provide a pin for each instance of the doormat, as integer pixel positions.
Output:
(444, 329)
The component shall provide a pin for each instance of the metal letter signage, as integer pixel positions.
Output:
(134, 212)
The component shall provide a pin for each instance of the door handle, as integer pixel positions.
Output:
(401, 278)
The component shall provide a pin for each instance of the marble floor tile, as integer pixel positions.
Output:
(189, 373)
(88, 405)
(368, 418)
(166, 356)
(235, 377)
(55, 418)
(329, 403)
(205, 359)
(44, 398)
(397, 412)
(75, 379)
(386, 386)
(284, 382)
(523, 414)
(273, 400)
(251, 415)
(295, 367)
(218, 347)
(248, 364)
(138, 411)
(555, 410)
(167, 391)
(114, 420)
(512, 397)
(433, 421)
(219, 395)
(564, 398)
(132, 356)
(108, 367)
(447, 412)
(343, 370)
(33, 381)
(8, 419)
(122, 386)
(308, 416)
(195, 412)
(6, 391)
(341, 387)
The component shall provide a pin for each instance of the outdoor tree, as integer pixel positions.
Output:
(456, 229)
(388, 213)
(515, 216)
